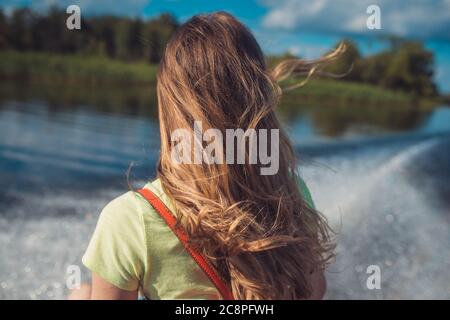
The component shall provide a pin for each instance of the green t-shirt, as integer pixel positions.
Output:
(133, 248)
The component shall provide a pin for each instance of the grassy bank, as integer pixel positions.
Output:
(339, 93)
(88, 71)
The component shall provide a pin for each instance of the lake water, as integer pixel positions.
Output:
(382, 179)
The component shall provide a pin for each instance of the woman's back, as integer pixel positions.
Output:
(228, 173)
(134, 249)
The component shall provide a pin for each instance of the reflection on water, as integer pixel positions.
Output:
(141, 101)
(135, 100)
(381, 178)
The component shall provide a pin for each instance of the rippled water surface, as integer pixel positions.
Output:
(386, 193)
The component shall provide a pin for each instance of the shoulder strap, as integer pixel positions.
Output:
(199, 258)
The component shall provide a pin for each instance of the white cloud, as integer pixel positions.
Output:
(405, 18)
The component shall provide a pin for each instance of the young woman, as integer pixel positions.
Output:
(244, 235)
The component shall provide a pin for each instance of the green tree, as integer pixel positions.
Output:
(410, 69)
(20, 25)
(121, 39)
(3, 30)
(372, 68)
(134, 40)
(156, 34)
(349, 64)
(103, 35)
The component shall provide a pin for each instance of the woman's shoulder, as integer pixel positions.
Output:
(131, 208)
(125, 209)
(131, 201)
(156, 187)
(126, 202)
(121, 216)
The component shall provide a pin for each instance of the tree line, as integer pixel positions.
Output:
(116, 37)
(405, 65)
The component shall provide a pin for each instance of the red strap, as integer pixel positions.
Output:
(171, 221)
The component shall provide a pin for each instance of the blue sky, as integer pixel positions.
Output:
(305, 27)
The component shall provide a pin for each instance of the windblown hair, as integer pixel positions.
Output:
(257, 229)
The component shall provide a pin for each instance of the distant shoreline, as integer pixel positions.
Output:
(98, 71)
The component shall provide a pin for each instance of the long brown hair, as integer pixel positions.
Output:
(257, 229)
